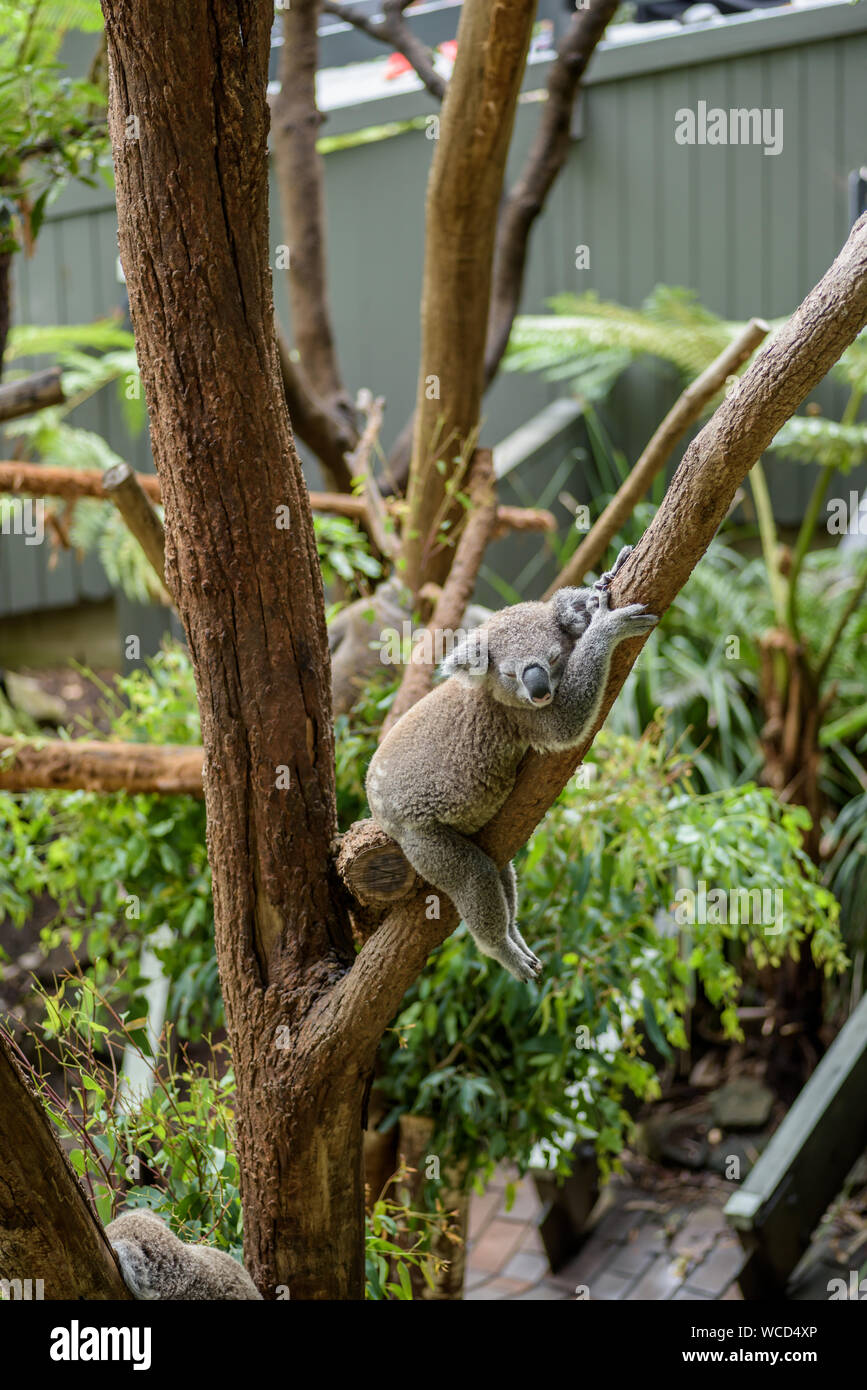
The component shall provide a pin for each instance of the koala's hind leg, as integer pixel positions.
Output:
(452, 863)
(509, 880)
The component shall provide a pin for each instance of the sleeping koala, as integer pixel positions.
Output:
(531, 677)
(156, 1265)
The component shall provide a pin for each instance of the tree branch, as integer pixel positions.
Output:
(463, 195)
(546, 158)
(31, 393)
(325, 426)
(683, 413)
(61, 764)
(392, 29)
(527, 198)
(121, 485)
(458, 589)
(43, 480)
(712, 469)
(295, 121)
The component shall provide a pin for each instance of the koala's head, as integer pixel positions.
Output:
(518, 655)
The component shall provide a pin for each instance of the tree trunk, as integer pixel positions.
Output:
(463, 195)
(48, 1231)
(192, 206)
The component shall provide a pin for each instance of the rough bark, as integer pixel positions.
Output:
(458, 589)
(88, 765)
(31, 393)
(48, 1230)
(192, 207)
(463, 196)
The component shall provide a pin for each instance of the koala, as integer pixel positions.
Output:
(157, 1266)
(531, 677)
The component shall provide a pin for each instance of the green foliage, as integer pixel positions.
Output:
(589, 341)
(828, 443)
(344, 551)
(501, 1065)
(95, 356)
(51, 127)
(493, 1061)
(173, 1151)
(118, 866)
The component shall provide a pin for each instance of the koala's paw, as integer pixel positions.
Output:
(604, 580)
(633, 620)
(524, 966)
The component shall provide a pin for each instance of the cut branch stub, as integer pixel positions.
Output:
(373, 867)
(121, 484)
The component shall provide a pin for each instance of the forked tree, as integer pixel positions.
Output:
(305, 1011)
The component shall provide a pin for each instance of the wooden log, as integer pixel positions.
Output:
(46, 480)
(88, 765)
(31, 393)
(122, 486)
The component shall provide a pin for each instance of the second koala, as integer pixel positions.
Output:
(531, 677)
(156, 1265)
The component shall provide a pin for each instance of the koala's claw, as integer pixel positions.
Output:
(635, 619)
(522, 967)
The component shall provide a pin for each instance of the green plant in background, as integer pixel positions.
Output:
(52, 128)
(95, 357)
(119, 867)
(501, 1066)
(173, 1150)
(589, 342)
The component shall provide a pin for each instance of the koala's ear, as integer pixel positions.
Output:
(469, 657)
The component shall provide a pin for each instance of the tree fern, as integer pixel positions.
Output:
(592, 340)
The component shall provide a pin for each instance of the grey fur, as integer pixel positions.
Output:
(157, 1266)
(448, 765)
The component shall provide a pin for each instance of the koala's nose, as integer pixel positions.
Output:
(537, 684)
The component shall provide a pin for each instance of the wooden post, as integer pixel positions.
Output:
(122, 486)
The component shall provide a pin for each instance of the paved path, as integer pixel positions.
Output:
(662, 1236)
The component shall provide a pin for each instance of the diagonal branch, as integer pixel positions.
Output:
(685, 411)
(713, 467)
(391, 28)
(324, 425)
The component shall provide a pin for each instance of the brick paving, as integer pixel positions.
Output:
(640, 1248)
(660, 1235)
